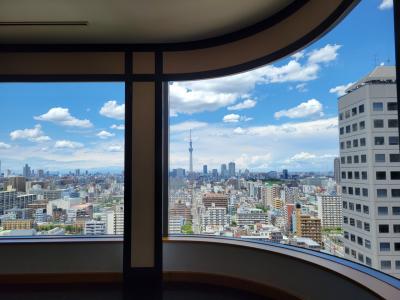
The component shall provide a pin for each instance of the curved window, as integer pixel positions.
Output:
(267, 155)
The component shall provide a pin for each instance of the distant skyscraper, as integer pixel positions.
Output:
(77, 172)
(190, 152)
(231, 169)
(0, 167)
(224, 170)
(205, 171)
(336, 169)
(26, 171)
(214, 173)
(370, 171)
(285, 174)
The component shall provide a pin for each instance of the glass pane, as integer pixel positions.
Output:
(62, 159)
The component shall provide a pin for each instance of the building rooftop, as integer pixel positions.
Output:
(381, 74)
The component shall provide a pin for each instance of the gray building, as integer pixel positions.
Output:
(336, 169)
(231, 169)
(370, 171)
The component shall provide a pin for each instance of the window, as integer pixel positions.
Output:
(366, 226)
(393, 140)
(384, 246)
(377, 106)
(359, 224)
(354, 127)
(383, 211)
(69, 176)
(366, 209)
(341, 116)
(352, 222)
(393, 123)
(344, 190)
(361, 108)
(348, 129)
(342, 145)
(379, 158)
(354, 111)
(347, 114)
(368, 261)
(395, 175)
(367, 244)
(351, 205)
(378, 123)
(363, 158)
(352, 237)
(350, 190)
(347, 250)
(344, 204)
(365, 192)
(357, 191)
(356, 175)
(381, 193)
(360, 241)
(353, 253)
(355, 143)
(383, 228)
(345, 220)
(364, 175)
(386, 264)
(356, 161)
(358, 207)
(348, 144)
(395, 193)
(349, 159)
(396, 210)
(392, 106)
(379, 140)
(396, 246)
(343, 175)
(362, 125)
(397, 264)
(394, 157)
(346, 235)
(343, 160)
(396, 228)
(381, 175)
(349, 175)
(341, 130)
(362, 142)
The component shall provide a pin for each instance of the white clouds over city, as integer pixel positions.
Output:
(118, 127)
(4, 146)
(105, 134)
(65, 144)
(111, 109)
(309, 108)
(246, 104)
(62, 116)
(34, 134)
(340, 90)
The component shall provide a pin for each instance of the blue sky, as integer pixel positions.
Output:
(283, 115)
(61, 126)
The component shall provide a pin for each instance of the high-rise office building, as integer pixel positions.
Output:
(190, 153)
(336, 169)
(231, 169)
(370, 171)
(205, 171)
(26, 171)
(285, 174)
(224, 170)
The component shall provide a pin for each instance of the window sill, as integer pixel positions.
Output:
(62, 239)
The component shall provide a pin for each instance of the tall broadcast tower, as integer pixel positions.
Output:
(190, 152)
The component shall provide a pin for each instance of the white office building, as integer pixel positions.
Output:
(370, 171)
(330, 211)
(95, 227)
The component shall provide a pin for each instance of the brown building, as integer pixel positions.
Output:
(181, 210)
(220, 200)
(307, 226)
(17, 224)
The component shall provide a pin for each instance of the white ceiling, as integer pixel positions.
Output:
(131, 21)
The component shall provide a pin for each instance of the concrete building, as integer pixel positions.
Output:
(272, 192)
(17, 183)
(119, 219)
(219, 200)
(308, 226)
(224, 170)
(370, 170)
(95, 227)
(231, 169)
(17, 224)
(336, 169)
(214, 216)
(250, 216)
(330, 211)
(175, 224)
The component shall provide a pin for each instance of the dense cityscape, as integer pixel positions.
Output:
(352, 212)
(37, 202)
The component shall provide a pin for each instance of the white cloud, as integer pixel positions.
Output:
(111, 109)
(386, 4)
(231, 118)
(248, 103)
(186, 126)
(34, 134)
(115, 148)
(209, 95)
(105, 134)
(299, 55)
(301, 87)
(64, 144)
(340, 90)
(324, 55)
(253, 161)
(4, 146)
(62, 116)
(118, 127)
(310, 108)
